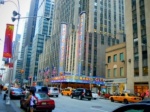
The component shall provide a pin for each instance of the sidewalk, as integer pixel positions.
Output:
(7, 108)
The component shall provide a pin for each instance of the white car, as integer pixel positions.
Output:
(95, 95)
(53, 91)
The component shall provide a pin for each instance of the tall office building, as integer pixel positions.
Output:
(16, 58)
(138, 45)
(43, 32)
(92, 25)
(29, 36)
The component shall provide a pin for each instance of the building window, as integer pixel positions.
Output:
(109, 59)
(102, 40)
(121, 56)
(108, 74)
(115, 72)
(115, 58)
(121, 71)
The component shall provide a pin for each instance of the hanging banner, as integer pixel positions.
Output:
(80, 46)
(62, 53)
(7, 53)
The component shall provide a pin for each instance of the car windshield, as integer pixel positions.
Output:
(55, 89)
(41, 96)
(17, 89)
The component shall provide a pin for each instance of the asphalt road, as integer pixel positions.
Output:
(66, 104)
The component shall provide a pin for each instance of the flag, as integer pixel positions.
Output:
(43, 71)
(39, 71)
(48, 70)
(7, 53)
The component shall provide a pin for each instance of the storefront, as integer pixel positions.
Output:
(115, 85)
(140, 87)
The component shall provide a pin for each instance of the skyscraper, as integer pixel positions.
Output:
(138, 45)
(16, 58)
(29, 36)
(43, 32)
(102, 24)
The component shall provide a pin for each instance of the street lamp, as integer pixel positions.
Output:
(13, 18)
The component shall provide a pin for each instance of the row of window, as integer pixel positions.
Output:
(115, 58)
(121, 72)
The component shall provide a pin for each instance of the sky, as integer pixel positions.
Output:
(6, 10)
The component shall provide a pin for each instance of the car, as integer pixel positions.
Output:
(95, 95)
(67, 91)
(40, 89)
(43, 102)
(36, 88)
(147, 100)
(53, 91)
(136, 107)
(125, 98)
(82, 93)
(15, 93)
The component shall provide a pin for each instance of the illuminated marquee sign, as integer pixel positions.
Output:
(62, 48)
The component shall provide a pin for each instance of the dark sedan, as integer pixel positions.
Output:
(15, 93)
(43, 103)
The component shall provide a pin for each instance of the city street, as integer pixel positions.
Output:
(66, 104)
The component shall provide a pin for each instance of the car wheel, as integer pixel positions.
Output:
(89, 99)
(125, 101)
(61, 93)
(67, 94)
(50, 111)
(56, 95)
(112, 100)
(71, 96)
(80, 97)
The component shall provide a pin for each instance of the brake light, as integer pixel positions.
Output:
(12, 92)
(51, 102)
(23, 92)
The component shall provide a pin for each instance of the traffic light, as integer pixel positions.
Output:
(15, 14)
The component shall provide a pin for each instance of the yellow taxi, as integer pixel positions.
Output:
(67, 91)
(125, 98)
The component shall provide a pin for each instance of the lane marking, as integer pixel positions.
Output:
(98, 109)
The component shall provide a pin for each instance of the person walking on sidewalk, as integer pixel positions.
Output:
(31, 100)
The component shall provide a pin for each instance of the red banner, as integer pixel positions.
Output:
(7, 53)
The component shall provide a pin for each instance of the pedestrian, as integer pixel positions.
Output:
(142, 95)
(31, 100)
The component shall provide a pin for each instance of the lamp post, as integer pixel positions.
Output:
(12, 60)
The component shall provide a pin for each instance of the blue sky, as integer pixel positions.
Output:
(5, 17)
